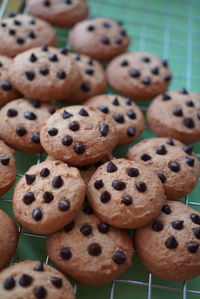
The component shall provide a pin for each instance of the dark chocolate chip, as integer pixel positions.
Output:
(103, 109)
(165, 62)
(44, 70)
(103, 227)
(11, 14)
(118, 185)
(124, 63)
(44, 172)
(3, 24)
(174, 166)
(65, 253)
(106, 25)
(98, 184)
(5, 161)
(30, 75)
(63, 51)
(189, 123)
(30, 115)
(47, 3)
(146, 80)
(57, 182)
(77, 57)
(104, 129)
(68, 2)
(39, 267)
(196, 232)
(53, 57)
(20, 40)
(198, 115)
(44, 48)
(146, 59)
(6, 86)
(162, 177)
(195, 218)
(115, 102)
(56, 281)
(52, 110)
(21, 131)
(40, 292)
(119, 118)
(183, 91)
(131, 114)
(105, 40)
(83, 112)
(166, 97)
(141, 187)
(131, 132)
(32, 22)
(155, 70)
(17, 23)
(33, 57)
(111, 167)
(105, 197)
(134, 73)
(85, 87)
(192, 247)
(37, 214)
(178, 224)
(28, 198)
(188, 149)
(166, 209)
(170, 142)
(87, 209)
(25, 280)
(61, 75)
(89, 72)
(189, 103)
(133, 172)
(67, 140)
(190, 161)
(79, 148)
(119, 257)
(86, 229)
(32, 35)
(90, 28)
(64, 205)
(12, 113)
(118, 41)
(35, 103)
(9, 283)
(161, 150)
(171, 243)
(30, 178)
(53, 132)
(36, 137)
(157, 225)
(90, 61)
(123, 33)
(69, 226)
(177, 112)
(94, 249)
(74, 126)
(66, 114)
(48, 197)
(145, 157)
(127, 200)
(167, 78)
(12, 31)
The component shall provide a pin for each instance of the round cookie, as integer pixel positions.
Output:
(125, 194)
(100, 38)
(139, 75)
(8, 239)
(32, 280)
(48, 196)
(7, 91)
(7, 167)
(89, 250)
(93, 80)
(61, 13)
(21, 121)
(173, 162)
(176, 114)
(78, 135)
(128, 117)
(45, 73)
(169, 246)
(23, 32)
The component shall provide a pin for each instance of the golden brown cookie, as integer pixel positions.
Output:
(169, 246)
(176, 114)
(139, 75)
(127, 117)
(125, 194)
(48, 196)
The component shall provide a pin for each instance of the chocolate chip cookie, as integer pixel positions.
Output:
(170, 246)
(100, 38)
(78, 135)
(33, 279)
(7, 167)
(174, 163)
(61, 13)
(48, 196)
(45, 73)
(89, 250)
(8, 239)
(139, 75)
(21, 121)
(125, 194)
(176, 114)
(128, 117)
(23, 32)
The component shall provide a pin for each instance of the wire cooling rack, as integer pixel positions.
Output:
(170, 30)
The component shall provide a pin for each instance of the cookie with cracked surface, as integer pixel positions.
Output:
(128, 117)
(100, 38)
(78, 135)
(89, 250)
(21, 121)
(8, 239)
(176, 114)
(139, 75)
(45, 73)
(169, 247)
(7, 91)
(125, 194)
(7, 167)
(23, 32)
(33, 279)
(48, 196)
(175, 164)
(61, 13)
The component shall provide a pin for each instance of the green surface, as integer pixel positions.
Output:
(171, 30)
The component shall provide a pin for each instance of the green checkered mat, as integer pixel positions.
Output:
(169, 29)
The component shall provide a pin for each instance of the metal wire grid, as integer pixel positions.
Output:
(188, 79)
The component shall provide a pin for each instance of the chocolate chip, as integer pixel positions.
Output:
(103, 109)
(9, 283)
(65, 253)
(178, 224)
(79, 148)
(119, 118)
(30, 115)
(167, 78)
(146, 59)
(3, 24)
(145, 157)
(66, 114)
(134, 73)
(90, 28)
(161, 150)
(94, 249)
(90, 61)
(188, 149)
(61, 75)
(166, 97)
(157, 225)
(12, 31)
(111, 167)
(166, 209)
(21, 131)
(44, 172)
(36, 137)
(133, 172)
(32, 22)
(192, 247)
(198, 115)
(155, 70)
(190, 161)
(53, 132)
(174, 166)
(37, 214)
(57, 182)
(40, 292)
(77, 57)
(48, 197)
(69, 226)
(131, 114)
(196, 232)
(74, 126)
(35, 103)
(123, 33)
(67, 140)
(165, 63)
(89, 72)
(87, 209)
(106, 25)
(105, 197)
(177, 112)
(146, 80)
(115, 102)
(11, 14)
(83, 112)
(25, 280)
(189, 103)
(17, 23)
(162, 177)
(118, 41)
(105, 40)
(33, 57)
(30, 75)
(32, 35)
(124, 63)
(189, 123)
(30, 178)
(86, 229)
(118, 185)
(6, 86)
(171, 243)
(44, 70)
(20, 40)
(98, 184)
(127, 200)
(131, 132)
(141, 187)
(56, 281)
(103, 227)
(85, 87)
(46, 2)
(52, 110)
(53, 57)
(63, 51)
(64, 205)
(119, 257)
(183, 91)
(170, 142)
(5, 161)
(39, 267)
(28, 198)
(44, 48)
(195, 218)
(104, 129)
